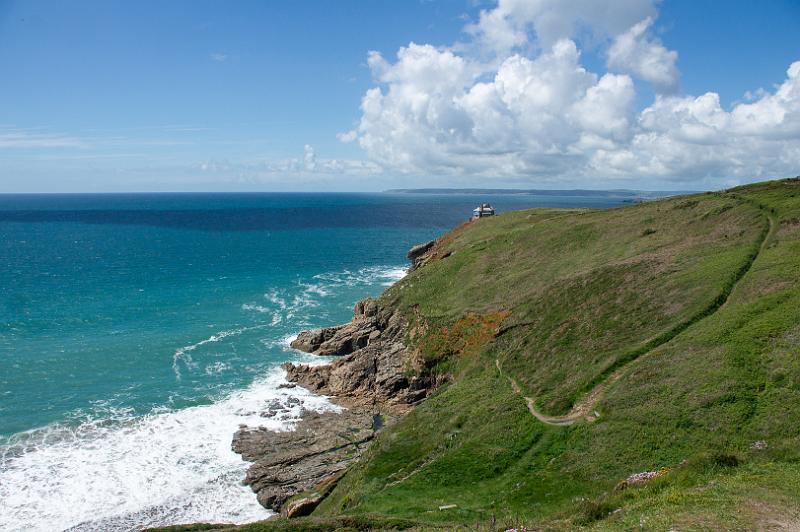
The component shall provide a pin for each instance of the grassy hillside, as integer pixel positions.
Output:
(663, 336)
(684, 313)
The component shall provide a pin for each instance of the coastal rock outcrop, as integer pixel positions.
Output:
(374, 380)
(417, 253)
(287, 463)
(374, 366)
(344, 339)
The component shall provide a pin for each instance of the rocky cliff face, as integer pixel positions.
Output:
(373, 380)
(375, 365)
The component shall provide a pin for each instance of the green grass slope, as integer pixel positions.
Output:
(691, 303)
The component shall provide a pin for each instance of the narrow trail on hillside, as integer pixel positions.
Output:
(585, 407)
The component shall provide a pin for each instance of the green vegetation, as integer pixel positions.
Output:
(305, 524)
(680, 316)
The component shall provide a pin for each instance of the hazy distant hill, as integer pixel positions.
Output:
(633, 194)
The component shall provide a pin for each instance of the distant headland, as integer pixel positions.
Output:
(617, 193)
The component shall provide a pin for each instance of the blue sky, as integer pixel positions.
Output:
(194, 95)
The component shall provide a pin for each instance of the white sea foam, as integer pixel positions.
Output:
(182, 353)
(217, 367)
(287, 340)
(257, 308)
(385, 275)
(273, 297)
(131, 473)
(391, 275)
(293, 306)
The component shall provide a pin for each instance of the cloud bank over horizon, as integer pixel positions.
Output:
(514, 103)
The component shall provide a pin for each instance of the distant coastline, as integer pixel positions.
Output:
(622, 193)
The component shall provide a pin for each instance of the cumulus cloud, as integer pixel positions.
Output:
(636, 52)
(686, 136)
(519, 104)
(511, 23)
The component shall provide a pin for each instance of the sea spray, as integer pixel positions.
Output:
(163, 468)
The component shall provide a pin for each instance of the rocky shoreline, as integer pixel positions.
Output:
(374, 383)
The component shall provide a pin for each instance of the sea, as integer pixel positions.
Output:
(138, 332)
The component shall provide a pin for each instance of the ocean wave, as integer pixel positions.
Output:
(130, 473)
(383, 275)
(182, 353)
(295, 305)
(257, 308)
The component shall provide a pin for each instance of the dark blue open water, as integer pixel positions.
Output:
(138, 331)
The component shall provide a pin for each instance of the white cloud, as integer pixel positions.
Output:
(347, 136)
(528, 116)
(24, 139)
(638, 53)
(511, 22)
(517, 103)
(605, 109)
(219, 57)
(309, 158)
(772, 115)
(307, 169)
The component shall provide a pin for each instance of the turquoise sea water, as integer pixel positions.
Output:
(137, 332)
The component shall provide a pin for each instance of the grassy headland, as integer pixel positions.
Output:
(667, 333)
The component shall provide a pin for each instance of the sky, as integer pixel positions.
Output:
(345, 95)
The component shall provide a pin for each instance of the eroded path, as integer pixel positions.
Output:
(586, 407)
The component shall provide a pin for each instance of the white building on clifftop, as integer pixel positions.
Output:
(481, 212)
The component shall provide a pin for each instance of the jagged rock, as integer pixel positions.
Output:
(375, 369)
(371, 378)
(302, 507)
(287, 463)
(309, 341)
(314, 378)
(417, 253)
(366, 308)
(344, 339)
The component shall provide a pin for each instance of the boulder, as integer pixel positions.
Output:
(303, 506)
(374, 362)
(417, 253)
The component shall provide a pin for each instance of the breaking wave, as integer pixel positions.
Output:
(301, 304)
(182, 354)
(383, 275)
(128, 473)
